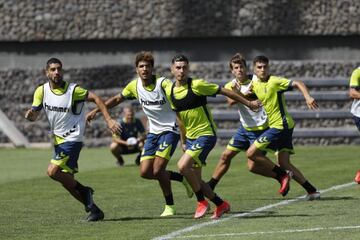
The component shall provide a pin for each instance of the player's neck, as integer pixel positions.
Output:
(54, 85)
(241, 80)
(181, 82)
(265, 79)
(148, 81)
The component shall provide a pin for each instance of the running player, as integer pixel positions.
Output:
(252, 124)
(188, 98)
(63, 105)
(269, 89)
(163, 134)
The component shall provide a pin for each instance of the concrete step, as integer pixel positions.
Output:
(232, 115)
(307, 132)
(310, 82)
(296, 96)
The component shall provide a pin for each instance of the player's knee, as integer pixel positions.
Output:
(225, 157)
(114, 146)
(182, 168)
(250, 153)
(145, 174)
(52, 172)
(250, 165)
(156, 173)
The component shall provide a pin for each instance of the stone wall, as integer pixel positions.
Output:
(32, 20)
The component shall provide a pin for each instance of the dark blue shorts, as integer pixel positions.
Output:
(161, 145)
(357, 122)
(66, 156)
(200, 148)
(277, 140)
(242, 139)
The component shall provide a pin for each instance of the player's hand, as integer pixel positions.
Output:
(255, 105)
(114, 126)
(311, 103)
(140, 143)
(235, 86)
(90, 116)
(31, 115)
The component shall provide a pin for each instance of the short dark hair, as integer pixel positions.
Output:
(145, 56)
(261, 59)
(51, 61)
(179, 58)
(238, 59)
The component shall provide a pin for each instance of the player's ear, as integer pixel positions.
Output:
(45, 72)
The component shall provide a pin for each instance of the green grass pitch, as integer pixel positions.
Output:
(32, 206)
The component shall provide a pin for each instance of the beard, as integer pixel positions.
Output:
(57, 80)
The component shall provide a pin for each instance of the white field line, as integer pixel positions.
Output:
(239, 215)
(271, 232)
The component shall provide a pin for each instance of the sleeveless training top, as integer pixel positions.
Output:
(249, 119)
(156, 107)
(66, 120)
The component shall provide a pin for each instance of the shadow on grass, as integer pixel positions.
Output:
(268, 214)
(321, 199)
(336, 198)
(177, 216)
(274, 215)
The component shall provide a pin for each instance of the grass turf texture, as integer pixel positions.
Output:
(35, 207)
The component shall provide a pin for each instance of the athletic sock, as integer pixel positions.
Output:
(137, 159)
(279, 172)
(175, 176)
(83, 191)
(169, 199)
(212, 183)
(278, 178)
(200, 196)
(217, 200)
(81, 188)
(308, 187)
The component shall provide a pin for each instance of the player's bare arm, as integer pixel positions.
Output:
(110, 103)
(253, 105)
(182, 132)
(111, 123)
(234, 87)
(310, 101)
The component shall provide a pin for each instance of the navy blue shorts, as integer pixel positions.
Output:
(277, 140)
(357, 122)
(66, 156)
(242, 139)
(200, 148)
(161, 145)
